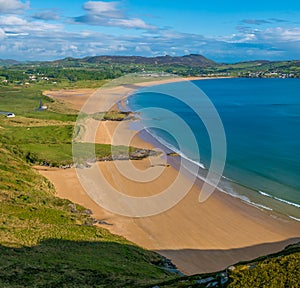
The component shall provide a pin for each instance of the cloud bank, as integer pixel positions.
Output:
(13, 6)
(46, 35)
(101, 13)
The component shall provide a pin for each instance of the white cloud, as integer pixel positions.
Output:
(2, 34)
(12, 21)
(13, 6)
(108, 14)
(144, 48)
(46, 15)
(285, 34)
(27, 39)
(255, 21)
(268, 35)
(17, 25)
(100, 8)
(130, 23)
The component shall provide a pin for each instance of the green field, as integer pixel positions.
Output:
(53, 145)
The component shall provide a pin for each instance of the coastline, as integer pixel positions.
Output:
(193, 235)
(251, 195)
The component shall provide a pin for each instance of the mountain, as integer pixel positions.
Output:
(8, 62)
(192, 60)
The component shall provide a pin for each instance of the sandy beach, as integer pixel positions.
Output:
(197, 237)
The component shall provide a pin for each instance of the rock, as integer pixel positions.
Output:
(102, 222)
(68, 166)
(87, 165)
(231, 268)
(73, 208)
(173, 154)
(87, 212)
(80, 166)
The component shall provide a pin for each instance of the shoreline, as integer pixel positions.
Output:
(270, 204)
(186, 232)
(174, 162)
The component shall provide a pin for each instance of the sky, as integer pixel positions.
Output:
(224, 31)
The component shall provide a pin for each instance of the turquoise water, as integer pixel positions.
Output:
(261, 119)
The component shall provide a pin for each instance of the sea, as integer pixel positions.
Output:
(260, 119)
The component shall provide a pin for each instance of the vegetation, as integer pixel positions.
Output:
(49, 242)
(94, 71)
(24, 101)
(113, 116)
(278, 270)
(46, 241)
(52, 145)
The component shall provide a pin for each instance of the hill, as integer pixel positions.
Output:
(110, 67)
(46, 241)
(4, 62)
(193, 60)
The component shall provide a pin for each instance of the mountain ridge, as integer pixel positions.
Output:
(191, 60)
(195, 60)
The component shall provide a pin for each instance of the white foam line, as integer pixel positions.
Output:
(294, 218)
(171, 147)
(287, 202)
(279, 199)
(260, 206)
(201, 165)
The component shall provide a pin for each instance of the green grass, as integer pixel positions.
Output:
(39, 135)
(62, 154)
(44, 244)
(112, 115)
(25, 101)
(64, 263)
(53, 145)
(80, 84)
(278, 270)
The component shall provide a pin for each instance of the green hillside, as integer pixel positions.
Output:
(279, 270)
(46, 241)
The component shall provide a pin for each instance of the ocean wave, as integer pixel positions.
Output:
(246, 200)
(294, 218)
(174, 149)
(259, 205)
(243, 198)
(265, 194)
(202, 166)
(279, 199)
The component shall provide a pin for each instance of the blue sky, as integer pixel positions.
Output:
(224, 31)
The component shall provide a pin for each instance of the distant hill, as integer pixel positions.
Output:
(192, 60)
(4, 62)
(109, 67)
